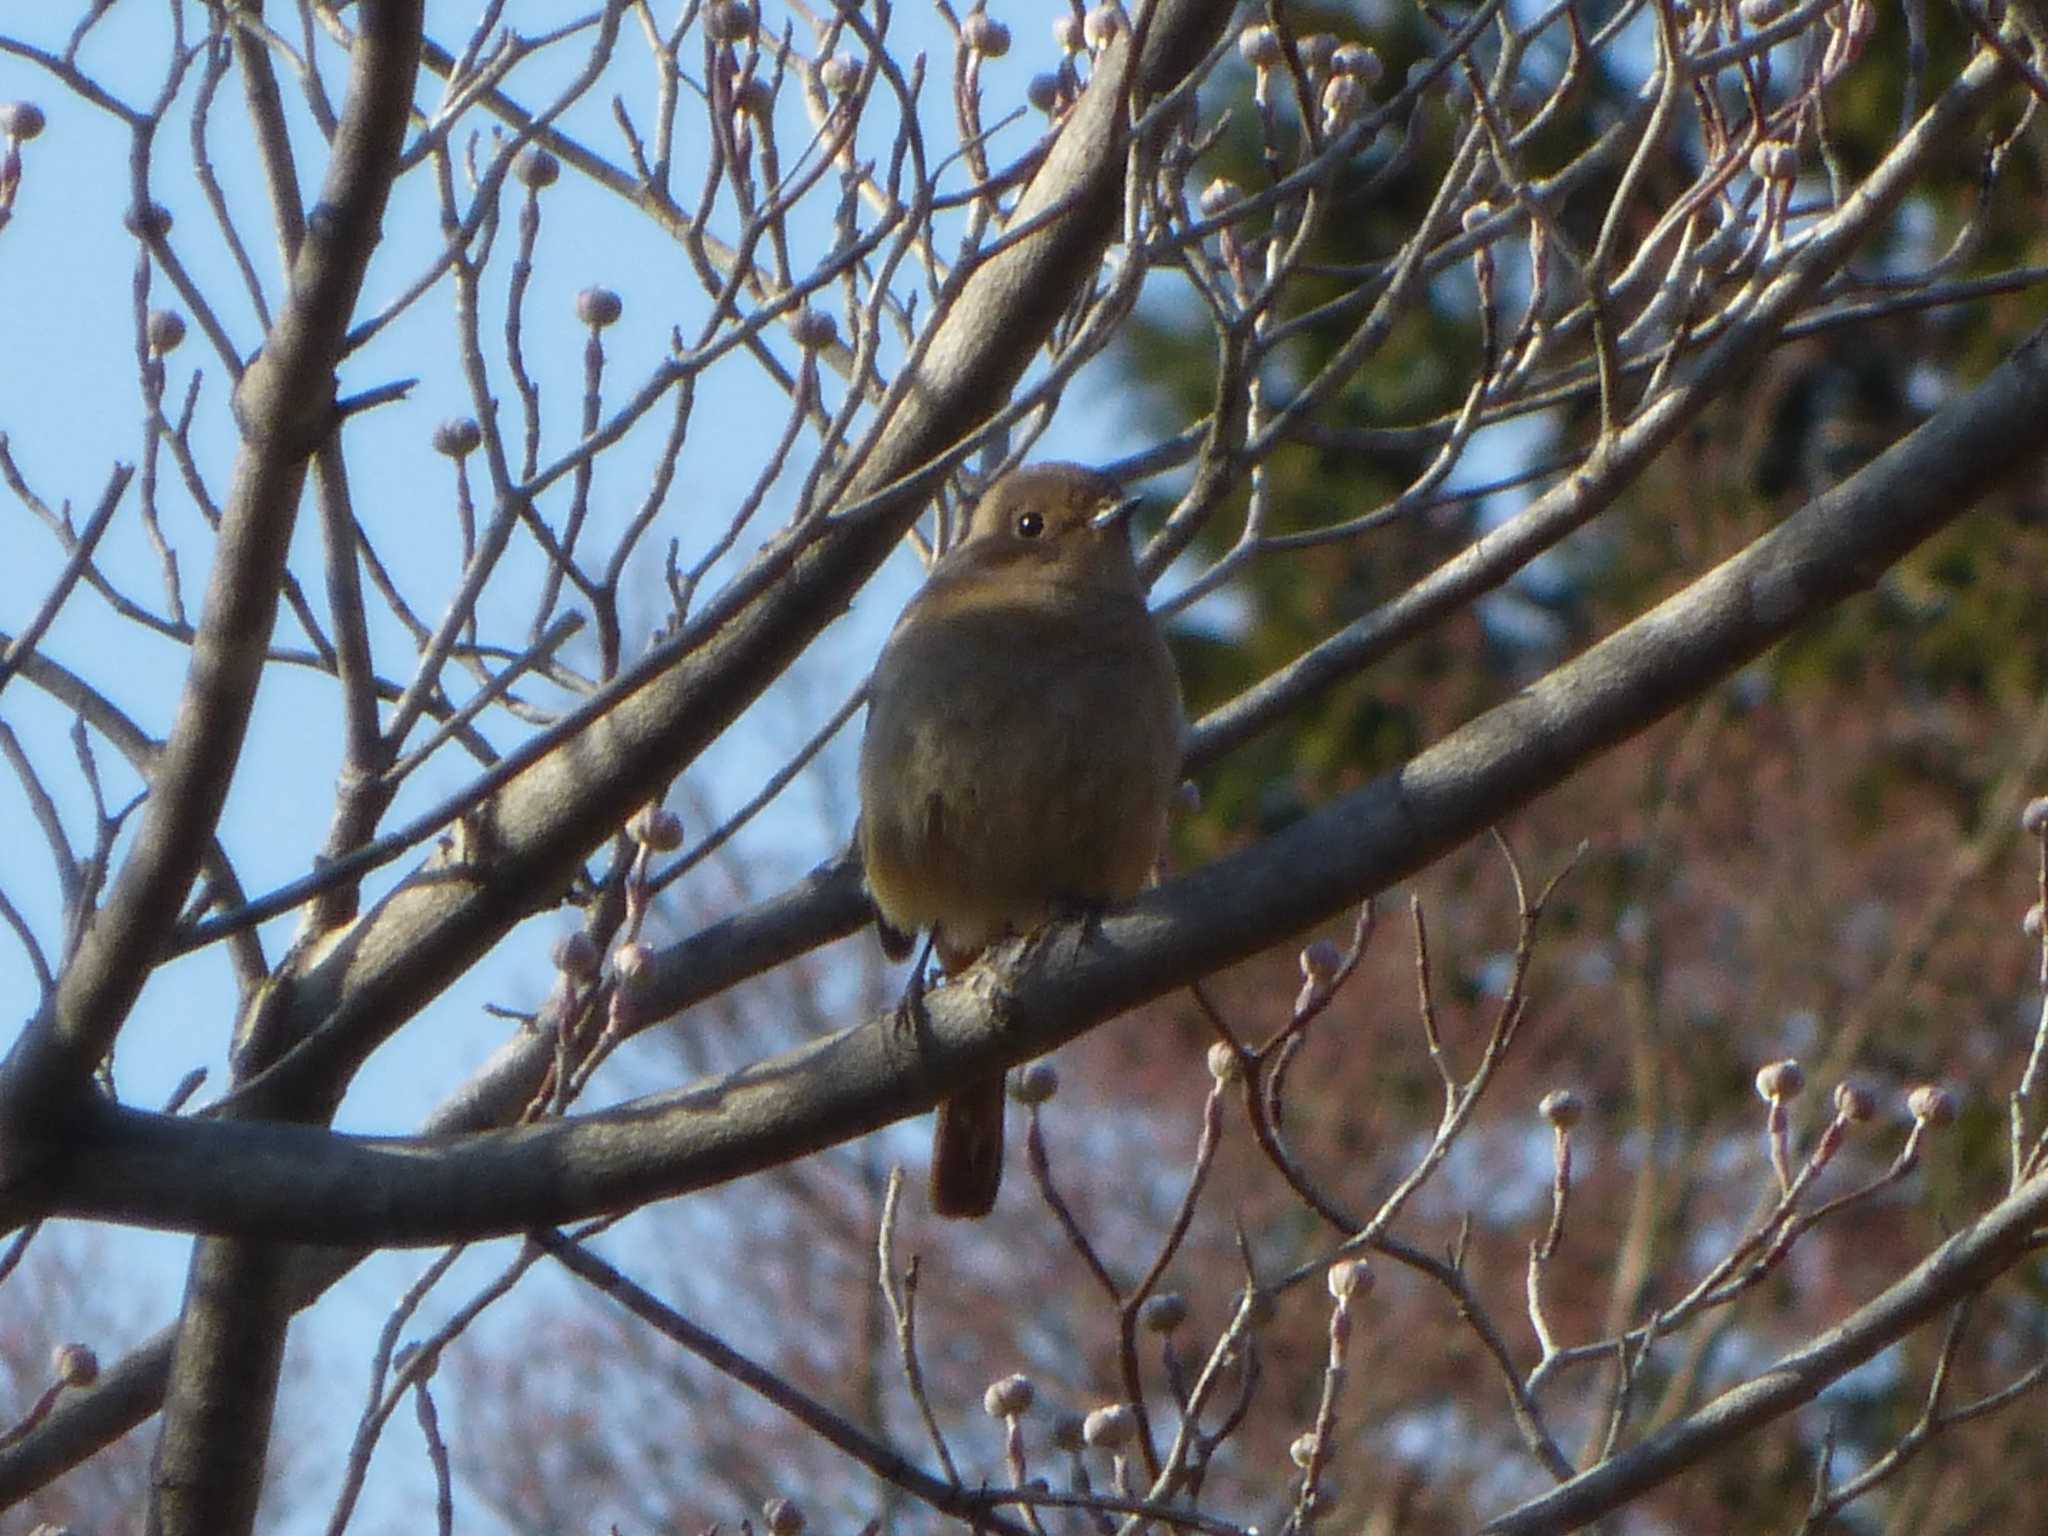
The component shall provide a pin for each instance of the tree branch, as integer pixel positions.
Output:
(311, 1186)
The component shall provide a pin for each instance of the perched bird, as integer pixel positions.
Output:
(1024, 739)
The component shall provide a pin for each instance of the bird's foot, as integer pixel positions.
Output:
(911, 1017)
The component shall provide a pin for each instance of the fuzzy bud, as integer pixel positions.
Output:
(1854, 1103)
(1320, 962)
(1224, 1064)
(1317, 50)
(984, 35)
(839, 74)
(813, 329)
(1109, 1426)
(598, 307)
(458, 437)
(752, 98)
(1068, 32)
(536, 168)
(163, 330)
(152, 222)
(1068, 1432)
(21, 120)
(656, 827)
(1163, 1313)
(1774, 160)
(1475, 217)
(631, 960)
(783, 1517)
(1359, 62)
(1035, 1084)
(1043, 92)
(1932, 1105)
(1562, 1108)
(75, 1365)
(2035, 923)
(1008, 1397)
(1261, 47)
(1781, 1081)
(575, 956)
(1303, 1450)
(1216, 197)
(2034, 818)
(1349, 1280)
(1104, 22)
(729, 21)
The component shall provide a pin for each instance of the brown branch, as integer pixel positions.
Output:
(1960, 1267)
(320, 1188)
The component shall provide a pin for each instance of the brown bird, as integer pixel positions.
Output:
(1023, 743)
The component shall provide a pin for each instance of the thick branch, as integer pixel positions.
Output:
(533, 835)
(312, 1186)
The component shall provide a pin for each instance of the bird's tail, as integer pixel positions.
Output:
(967, 1151)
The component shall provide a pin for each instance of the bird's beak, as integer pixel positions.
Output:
(1115, 513)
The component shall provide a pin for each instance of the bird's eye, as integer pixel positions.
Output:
(1030, 525)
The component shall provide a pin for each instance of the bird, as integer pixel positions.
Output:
(1023, 746)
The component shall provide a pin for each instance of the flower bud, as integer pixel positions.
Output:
(839, 74)
(656, 827)
(152, 222)
(1068, 32)
(632, 959)
(1317, 50)
(598, 307)
(1043, 92)
(2034, 818)
(2035, 923)
(1217, 196)
(1781, 1081)
(729, 21)
(21, 120)
(75, 1365)
(1562, 1108)
(1108, 1426)
(575, 955)
(1359, 62)
(1349, 1280)
(1854, 1103)
(1224, 1063)
(985, 35)
(1068, 1432)
(1303, 1449)
(1163, 1313)
(458, 437)
(1008, 1397)
(1261, 47)
(1774, 160)
(783, 1517)
(813, 329)
(1320, 962)
(1104, 22)
(163, 330)
(1932, 1105)
(1035, 1084)
(752, 98)
(536, 167)
(1475, 217)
